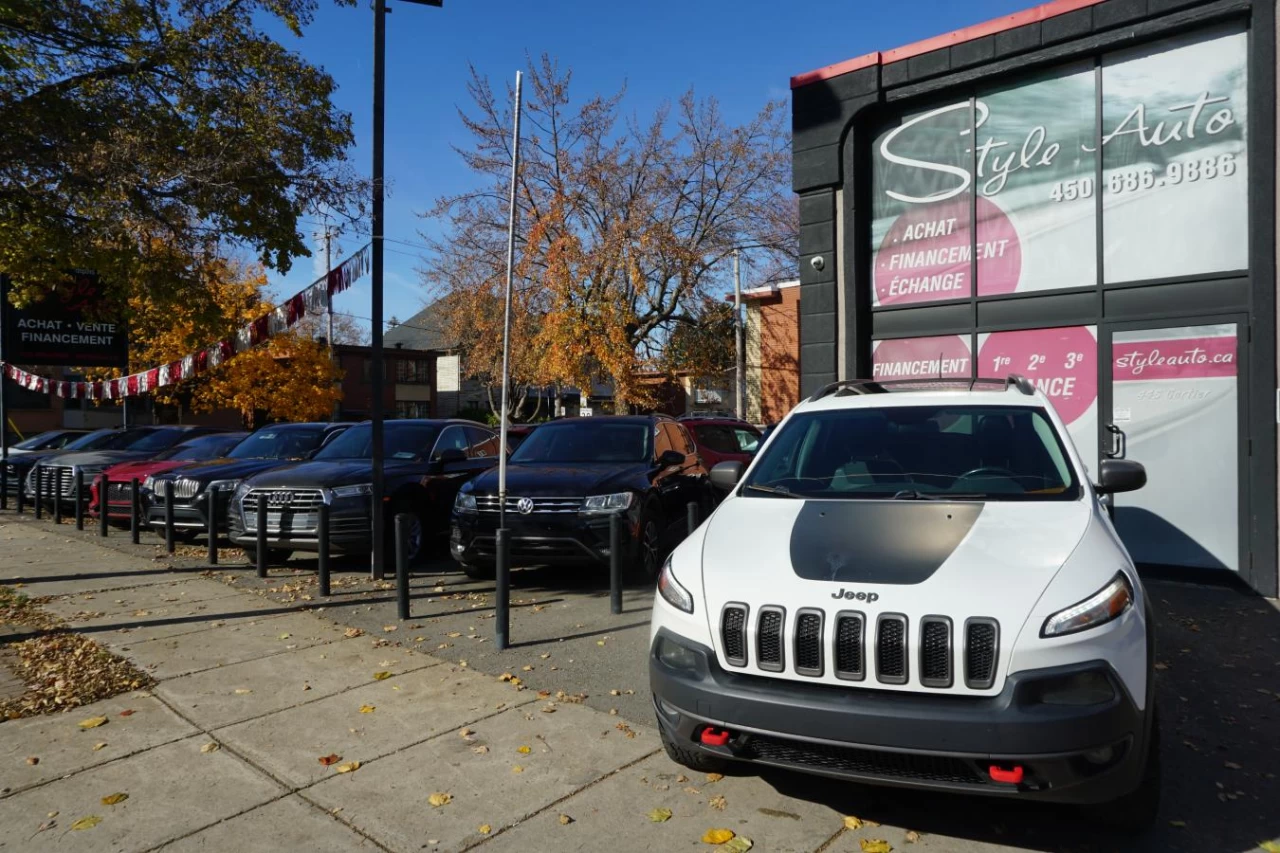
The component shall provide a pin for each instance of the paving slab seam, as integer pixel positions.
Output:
(342, 820)
(34, 785)
(90, 630)
(170, 841)
(554, 803)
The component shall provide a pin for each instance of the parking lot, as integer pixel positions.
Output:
(1219, 688)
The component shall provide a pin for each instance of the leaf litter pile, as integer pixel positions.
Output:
(61, 669)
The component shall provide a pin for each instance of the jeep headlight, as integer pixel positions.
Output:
(671, 590)
(352, 491)
(464, 502)
(607, 503)
(1103, 606)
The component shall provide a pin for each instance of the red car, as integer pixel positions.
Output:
(722, 439)
(119, 477)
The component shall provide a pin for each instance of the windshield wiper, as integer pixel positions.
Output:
(774, 490)
(913, 495)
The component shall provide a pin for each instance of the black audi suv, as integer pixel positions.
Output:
(425, 463)
(568, 477)
(269, 447)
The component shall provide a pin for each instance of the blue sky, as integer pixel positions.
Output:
(742, 52)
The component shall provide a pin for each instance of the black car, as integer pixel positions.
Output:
(426, 461)
(124, 445)
(568, 477)
(20, 465)
(269, 447)
(54, 439)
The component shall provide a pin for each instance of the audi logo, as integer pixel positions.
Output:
(525, 505)
(279, 499)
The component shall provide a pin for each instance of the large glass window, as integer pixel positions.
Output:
(1172, 194)
(934, 357)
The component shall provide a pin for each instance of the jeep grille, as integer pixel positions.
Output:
(982, 640)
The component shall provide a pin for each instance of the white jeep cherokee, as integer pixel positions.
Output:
(916, 584)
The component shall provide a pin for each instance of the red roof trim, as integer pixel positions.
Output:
(977, 31)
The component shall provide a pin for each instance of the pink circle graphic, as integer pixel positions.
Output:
(925, 256)
(941, 357)
(1063, 363)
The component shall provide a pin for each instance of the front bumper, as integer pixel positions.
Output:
(536, 539)
(1069, 754)
(349, 526)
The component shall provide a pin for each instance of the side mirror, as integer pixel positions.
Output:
(670, 458)
(1120, 475)
(725, 475)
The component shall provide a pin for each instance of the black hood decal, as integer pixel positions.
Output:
(890, 542)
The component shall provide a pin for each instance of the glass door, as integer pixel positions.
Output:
(1176, 402)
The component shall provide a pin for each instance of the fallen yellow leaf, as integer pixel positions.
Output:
(851, 822)
(739, 844)
(526, 668)
(368, 709)
(517, 769)
(243, 691)
(660, 815)
(439, 799)
(210, 747)
(115, 799)
(349, 767)
(480, 750)
(717, 836)
(352, 633)
(599, 642)
(485, 829)
(565, 820)
(913, 837)
(380, 676)
(87, 822)
(285, 636)
(466, 733)
(98, 746)
(714, 777)
(719, 802)
(1270, 846)
(524, 750)
(93, 722)
(875, 845)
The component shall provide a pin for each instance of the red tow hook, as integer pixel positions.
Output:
(1011, 777)
(715, 737)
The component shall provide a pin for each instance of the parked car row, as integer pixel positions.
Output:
(565, 479)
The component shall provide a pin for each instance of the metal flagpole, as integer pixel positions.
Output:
(377, 520)
(503, 555)
(739, 379)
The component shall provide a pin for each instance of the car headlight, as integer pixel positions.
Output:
(149, 484)
(464, 502)
(671, 590)
(223, 486)
(352, 491)
(607, 503)
(1106, 604)
(241, 490)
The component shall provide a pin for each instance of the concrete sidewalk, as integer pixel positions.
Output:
(276, 688)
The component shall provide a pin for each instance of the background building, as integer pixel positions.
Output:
(1083, 193)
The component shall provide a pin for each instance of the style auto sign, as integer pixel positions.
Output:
(55, 330)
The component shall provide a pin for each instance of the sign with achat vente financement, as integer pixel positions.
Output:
(60, 329)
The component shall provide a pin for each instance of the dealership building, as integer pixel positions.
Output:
(1083, 193)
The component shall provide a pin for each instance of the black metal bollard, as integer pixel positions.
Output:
(39, 475)
(691, 516)
(168, 517)
(322, 545)
(502, 591)
(135, 512)
(615, 563)
(211, 525)
(403, 520)
(102, 512)
(22, 496)
(78, 488)
(262, 535)
(4, 483)
(57, 496)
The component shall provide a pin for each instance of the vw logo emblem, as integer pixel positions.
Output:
(525, 505)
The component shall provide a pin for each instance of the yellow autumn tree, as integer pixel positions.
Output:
(289, 378)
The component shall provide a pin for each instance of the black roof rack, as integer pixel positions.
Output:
(872, 386)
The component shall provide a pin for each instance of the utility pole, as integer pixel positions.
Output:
(328, 268)
(739, 366)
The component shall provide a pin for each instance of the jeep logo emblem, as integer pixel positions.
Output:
(850, 595)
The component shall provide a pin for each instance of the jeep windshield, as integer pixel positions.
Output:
(953, 452)
(587, 442)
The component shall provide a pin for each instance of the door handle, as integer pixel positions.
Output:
(1119, 442)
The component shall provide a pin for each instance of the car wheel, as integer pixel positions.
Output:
(1136, 811)
(646, 558)
(695, 761)
(275, 556)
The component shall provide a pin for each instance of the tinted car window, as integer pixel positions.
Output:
(205, 447)
(401, 440)
(599, 441)
(682, 439)
(662, 438)
(93, 441)
(127, 439)
(47, 440)
(275, 443)
(958, 452)
(484, 444)
(723, 438)
(160, 439)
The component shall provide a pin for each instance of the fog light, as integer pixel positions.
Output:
(1103, 755)
(676, 656)
(1081, 688)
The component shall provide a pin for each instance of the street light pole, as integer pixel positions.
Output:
(375, 285)
(739, 367)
